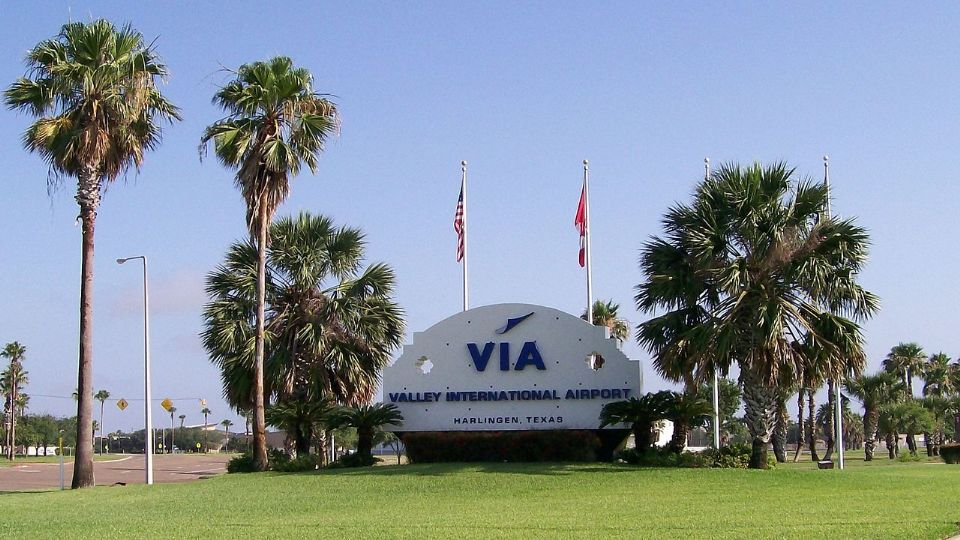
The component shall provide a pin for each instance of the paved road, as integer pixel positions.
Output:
(166, 469)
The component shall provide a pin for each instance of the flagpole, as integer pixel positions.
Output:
(586, 232)
(838, 395)
(716, 376)
(463, 185)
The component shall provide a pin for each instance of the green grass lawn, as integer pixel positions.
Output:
(881, 499)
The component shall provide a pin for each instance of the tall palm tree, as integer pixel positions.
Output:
(101, 396)
(275, 124)
(605, 314)
(906, 360)
(205, 412)
(226, 428)
(873, 392)
(12, 380)
(182, 417)
(331, 324)
(93, 88)
(936, 374)
(754, 272)
(367, 419)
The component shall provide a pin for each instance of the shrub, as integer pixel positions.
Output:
(950, 453)
(491, 446)
(309, 462)
(353, 460)
(728, 457)
(241, 464)
(907, 457)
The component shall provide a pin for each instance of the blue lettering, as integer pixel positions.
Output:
(480, 359)
(529, 355)
(504, 357)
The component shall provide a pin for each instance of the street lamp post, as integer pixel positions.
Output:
(148, 417)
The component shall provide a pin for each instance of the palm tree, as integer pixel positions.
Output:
(873, 391)
(93, 88)
(754, 272)
(686, 410)
(12, 381)
(905, 359)
(226, 428)
(641, 413)
(182, 417)
(205, 412)
(276, 124)
(331, 324)
(940, 409)
(299, 418)
(101, 396)
(936, 374)
(367, 419)
(605, 314)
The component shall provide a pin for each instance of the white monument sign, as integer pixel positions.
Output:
(509, 367)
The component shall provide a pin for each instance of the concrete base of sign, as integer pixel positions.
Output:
(610, 440)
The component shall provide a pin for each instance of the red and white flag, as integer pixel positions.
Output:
(458, 224)
(580, 222)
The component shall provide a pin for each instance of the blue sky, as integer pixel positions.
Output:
(523, 92)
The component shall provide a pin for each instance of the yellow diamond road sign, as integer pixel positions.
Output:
(122, 404)
(166, 404)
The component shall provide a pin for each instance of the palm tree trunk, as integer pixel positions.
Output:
(870, 419)
(759, 408)
(812, 424)
(780, 431)
(88, 197)
(13, 422)
(259, 422)
(100, 448)
(679, 439)
(800, 426)
(829, 424)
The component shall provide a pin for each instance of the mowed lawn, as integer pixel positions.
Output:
(882, 499)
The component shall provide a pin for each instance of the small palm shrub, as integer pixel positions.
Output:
(950, 453)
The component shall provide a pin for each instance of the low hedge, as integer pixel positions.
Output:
(950, 453)
(728, 457)
(498, 446)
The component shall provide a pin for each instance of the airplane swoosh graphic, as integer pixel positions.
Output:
(511, 323)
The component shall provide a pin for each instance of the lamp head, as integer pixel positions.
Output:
(121, 261)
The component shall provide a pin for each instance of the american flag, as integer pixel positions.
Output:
(458, 224)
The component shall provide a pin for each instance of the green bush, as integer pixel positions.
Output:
(498, 446)
(907, 457)
(950, 453)
(728, 457)
(309, 462)
(241, 464)
(353, 460)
